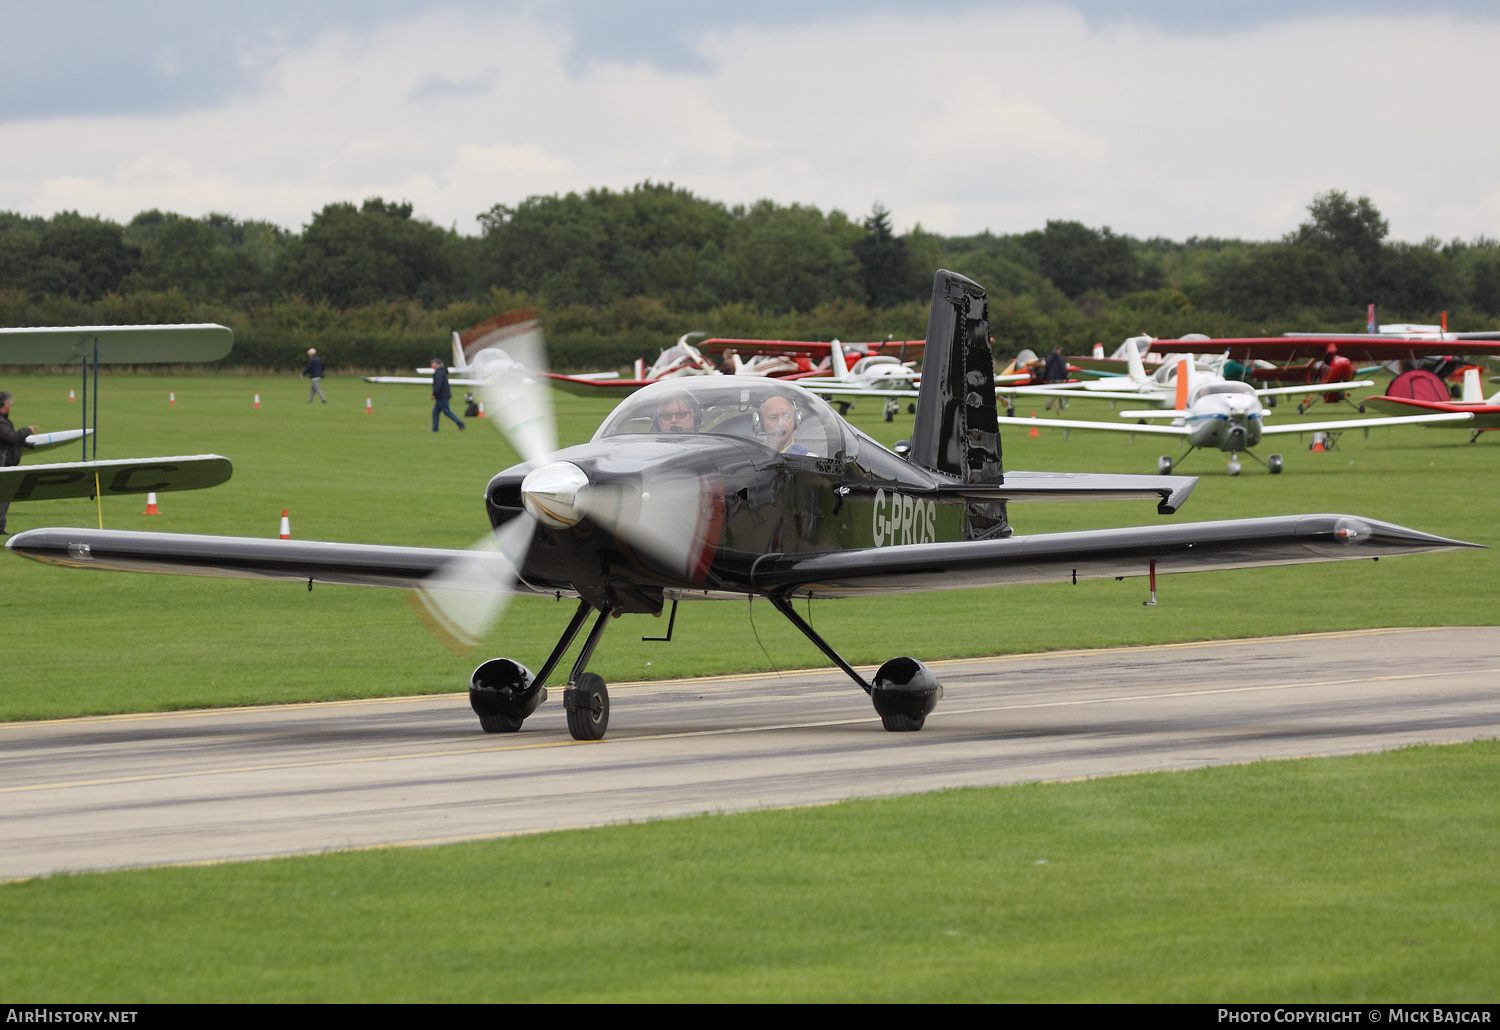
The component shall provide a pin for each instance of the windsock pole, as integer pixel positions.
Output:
(286, 528)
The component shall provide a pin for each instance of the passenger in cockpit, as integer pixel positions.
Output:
(678, 413)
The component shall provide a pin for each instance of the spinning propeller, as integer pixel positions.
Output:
(671, 519)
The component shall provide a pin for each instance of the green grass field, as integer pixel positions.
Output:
(84, 642)
(1355, 879)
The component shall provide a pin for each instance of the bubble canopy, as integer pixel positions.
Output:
(731, 406)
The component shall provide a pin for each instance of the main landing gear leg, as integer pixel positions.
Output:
(1165, 464)
(503, 692)
(586, 698)
(904, 692)
(1273, 465)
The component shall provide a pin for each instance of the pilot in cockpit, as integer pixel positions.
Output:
(678, 413)
(778, 421)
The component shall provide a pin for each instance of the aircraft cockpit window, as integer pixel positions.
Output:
(784, 418)
(1227, 387)
(1167, 371)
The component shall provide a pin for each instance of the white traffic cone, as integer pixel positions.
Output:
(151, 508)
(481, 409)
(71, 398)
(257, 400)
(369, 406)
(172, 398)
(286, 526)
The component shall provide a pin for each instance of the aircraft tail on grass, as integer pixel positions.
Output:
(460, 362)
(1473, 389)
(840, 363)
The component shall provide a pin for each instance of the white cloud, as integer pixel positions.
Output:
(988, 119)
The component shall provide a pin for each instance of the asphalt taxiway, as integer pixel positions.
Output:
(227, 784)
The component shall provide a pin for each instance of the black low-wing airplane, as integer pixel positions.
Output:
(710, 488)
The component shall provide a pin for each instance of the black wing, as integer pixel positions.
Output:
(1092, 554)
(237, 557)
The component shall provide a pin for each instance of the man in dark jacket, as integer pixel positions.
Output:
(313, 371)
(441, 394)
(12, 442)
(1056, 371)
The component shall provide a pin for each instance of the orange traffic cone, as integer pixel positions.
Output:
(172, 398)
(1034, 430)
(481, 409)
(1317, 444)
(369, 406)
(286, 526)
(151, 508)
(257, 400)
(71, 398)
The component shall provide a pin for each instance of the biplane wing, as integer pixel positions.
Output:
(122, 476)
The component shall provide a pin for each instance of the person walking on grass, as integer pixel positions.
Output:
(1056, 371)
(12, 442)
(313, 371)
(442, 393)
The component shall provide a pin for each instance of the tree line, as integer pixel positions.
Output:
(617, 274)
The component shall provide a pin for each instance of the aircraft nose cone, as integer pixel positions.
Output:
(555, 494)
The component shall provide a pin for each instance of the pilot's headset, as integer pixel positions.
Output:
(760, 429)
(673, 399)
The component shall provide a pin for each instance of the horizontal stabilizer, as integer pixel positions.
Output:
(115, 344)
(1093, 554)
(237, 557)
(125, 476)
(1169, 491)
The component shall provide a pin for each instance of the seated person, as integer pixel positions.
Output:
(677, 413)
(778, 420)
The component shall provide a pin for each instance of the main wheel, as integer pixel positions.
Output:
(499, 723)
(587, 703)
(898, 723)
(911, 409)
(1233, 468)
(1274, 464)
(1164, 465)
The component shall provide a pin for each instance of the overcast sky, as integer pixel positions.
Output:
(1156, 118)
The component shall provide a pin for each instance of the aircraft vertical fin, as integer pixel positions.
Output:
(1473, 390)
(1184, 382)
(840, 365)
(459, 362)
(1134, 363)
(957, 431)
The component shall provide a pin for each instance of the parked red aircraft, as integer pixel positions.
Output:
(1421, 391)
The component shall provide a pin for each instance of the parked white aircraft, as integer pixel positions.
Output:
(1166, 387)
(1225, 415)
(876, 375)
